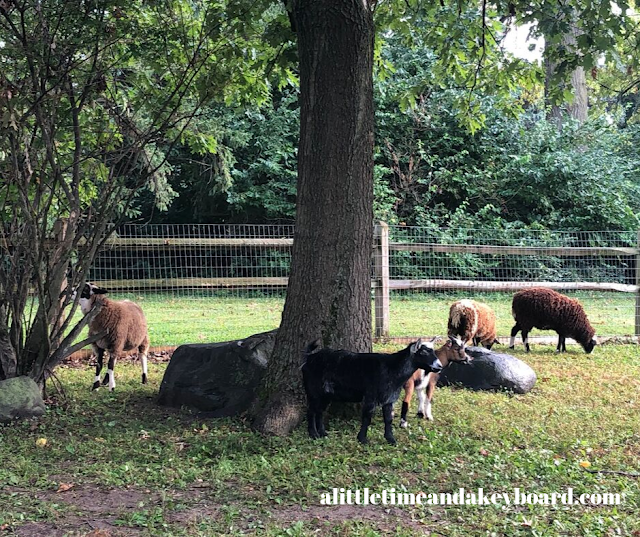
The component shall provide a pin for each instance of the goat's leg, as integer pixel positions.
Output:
(387, 414)
(99, 356)
(367, 413)
(428, 394)
(311, 422)
(408, 394)
(314, 417)
(514, 333)
(319, 422)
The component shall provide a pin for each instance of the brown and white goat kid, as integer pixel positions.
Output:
(425, 383)
(126, 330)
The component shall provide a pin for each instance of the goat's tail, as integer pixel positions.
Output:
(308, 350)
(312, 347)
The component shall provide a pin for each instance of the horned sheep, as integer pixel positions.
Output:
(126, 330)
(546, 309)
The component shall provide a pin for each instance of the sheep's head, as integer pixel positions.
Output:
(88, 296)
(590, 345)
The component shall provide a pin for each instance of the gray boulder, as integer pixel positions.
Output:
(20, 397)
(490, 371)
(219, 379)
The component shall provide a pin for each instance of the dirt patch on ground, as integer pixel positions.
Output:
(99, 512)
(385, 519)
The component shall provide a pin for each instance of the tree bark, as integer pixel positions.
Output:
(579, 108)
(329, 292)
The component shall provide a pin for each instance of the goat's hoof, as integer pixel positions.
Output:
(322, 434)
(144, 378)
(105, 380)
(95, 386)
(404, 423)
(363, 440)
(391, 441)
(420, 415)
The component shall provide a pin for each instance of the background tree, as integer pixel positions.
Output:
(95, 96)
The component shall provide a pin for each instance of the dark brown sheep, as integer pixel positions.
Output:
(546, 309)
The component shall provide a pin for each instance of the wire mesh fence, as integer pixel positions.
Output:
(216, 282)
(428, 269)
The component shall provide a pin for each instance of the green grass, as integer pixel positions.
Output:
(139, 467)
(176, 320)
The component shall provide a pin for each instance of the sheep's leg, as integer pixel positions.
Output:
(367, 413)
(514, 333)
(562, 347)
(110, 377)
(525, 339)
(387, 414)
(143, 349)
(99, 355)
(408, 394)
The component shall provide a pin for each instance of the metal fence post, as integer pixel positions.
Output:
(381, 274)
(638, 285)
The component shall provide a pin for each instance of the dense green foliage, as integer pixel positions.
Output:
(517, 171)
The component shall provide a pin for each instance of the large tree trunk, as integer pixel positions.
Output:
(578, 109)
(329, 293)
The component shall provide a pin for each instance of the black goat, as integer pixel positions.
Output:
(374, 378)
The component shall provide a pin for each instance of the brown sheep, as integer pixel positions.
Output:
(473, 322)
(126, 329)
(546, 309)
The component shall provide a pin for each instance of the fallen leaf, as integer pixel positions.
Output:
(585, 464)
(41, 442)
(64, 487)
(483, 452)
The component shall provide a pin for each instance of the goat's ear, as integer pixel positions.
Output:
(415, 346)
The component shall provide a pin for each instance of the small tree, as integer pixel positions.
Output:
(94, 95)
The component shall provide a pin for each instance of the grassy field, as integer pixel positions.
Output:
(116, 463)
(176, 320)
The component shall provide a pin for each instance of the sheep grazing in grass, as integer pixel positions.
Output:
(425, 381)
(126, 329)
(473, 322)
(373, 378)
(546, 309)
